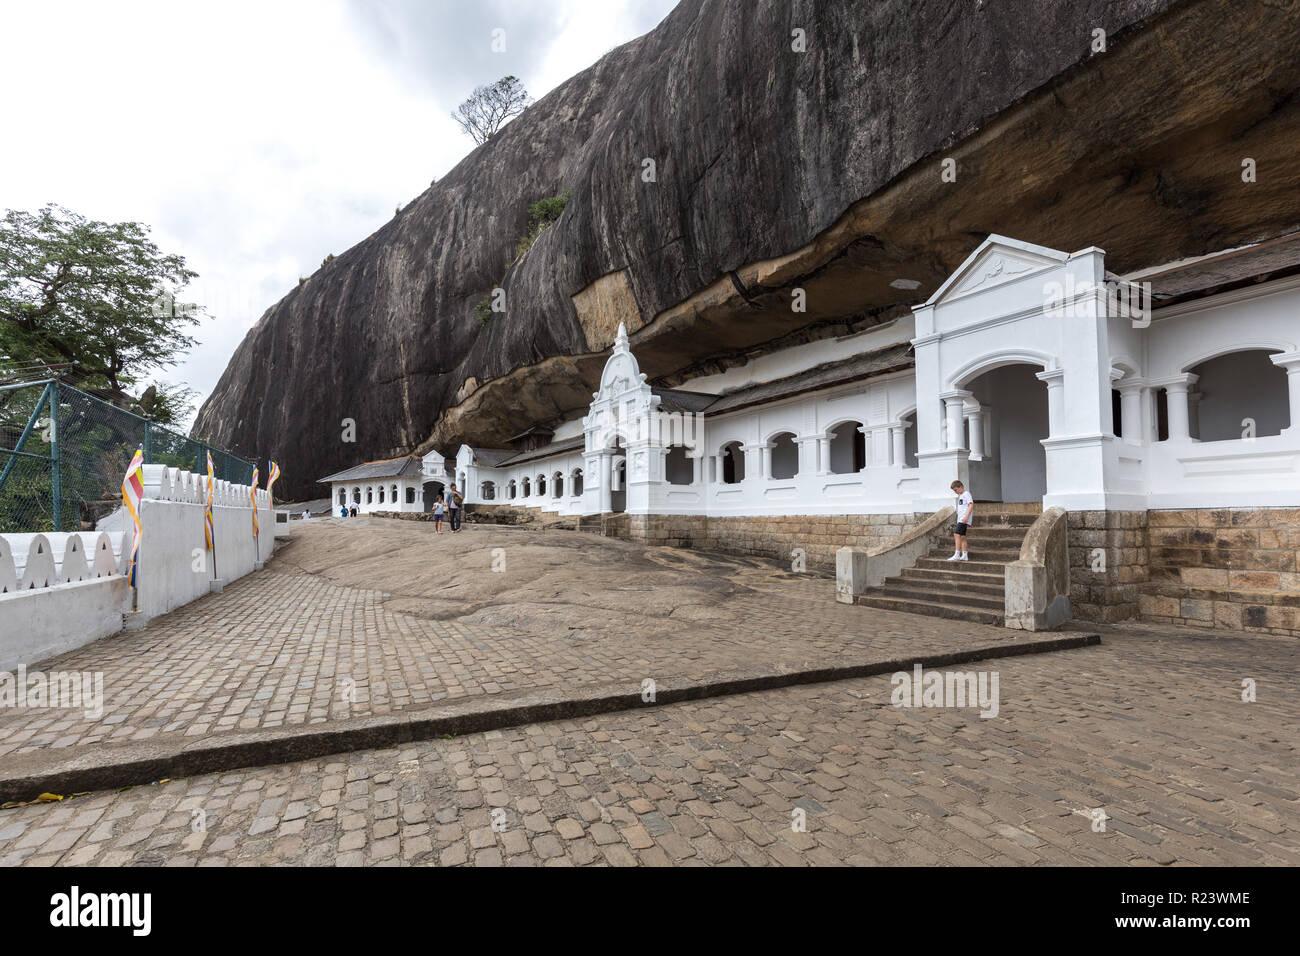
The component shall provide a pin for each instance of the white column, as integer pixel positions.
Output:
(1291, 362)
(898, 440)
(807, 455)
(1130, 411)
(976, 416)
(1176, 390)
(954, 407)
(697, 469)
(765, 460)
(606, 479)
(1055, 381)
(823, 455)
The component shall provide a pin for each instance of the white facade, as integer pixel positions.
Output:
(1021, 360)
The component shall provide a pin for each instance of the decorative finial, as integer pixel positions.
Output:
(620, 340)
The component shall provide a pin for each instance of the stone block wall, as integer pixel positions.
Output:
(1225, 568)
(1108, 564)
(774, 537)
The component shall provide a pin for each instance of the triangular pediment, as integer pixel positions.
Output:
(998, 260)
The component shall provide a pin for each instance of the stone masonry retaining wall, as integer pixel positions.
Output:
(1225, 568)
(819, 536)
(1108, 564)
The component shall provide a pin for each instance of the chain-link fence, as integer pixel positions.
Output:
(63, 455)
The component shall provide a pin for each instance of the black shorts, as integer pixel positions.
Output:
(961, 528)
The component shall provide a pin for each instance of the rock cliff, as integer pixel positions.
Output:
(773, 169)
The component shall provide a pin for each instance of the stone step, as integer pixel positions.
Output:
(954, 612)
(985, 518)
(996, 534)
(934, 576)
(973, 565)
(958, 596)
(999, 555)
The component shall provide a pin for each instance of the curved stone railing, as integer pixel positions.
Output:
(29, 561)
(858, 569)
(1038, 584)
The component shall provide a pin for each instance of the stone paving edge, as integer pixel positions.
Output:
(106, 767)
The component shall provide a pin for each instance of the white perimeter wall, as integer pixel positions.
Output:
(62, 591)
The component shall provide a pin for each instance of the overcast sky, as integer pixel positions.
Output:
(258, 137)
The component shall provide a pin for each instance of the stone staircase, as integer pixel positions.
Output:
(962, 590)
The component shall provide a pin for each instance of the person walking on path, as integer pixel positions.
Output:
(965, 512)
(454, 500)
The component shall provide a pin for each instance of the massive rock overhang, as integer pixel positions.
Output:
(1139, 150)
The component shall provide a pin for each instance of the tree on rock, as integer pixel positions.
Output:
(491, 107)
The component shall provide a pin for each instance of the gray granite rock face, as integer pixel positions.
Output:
(758, 150)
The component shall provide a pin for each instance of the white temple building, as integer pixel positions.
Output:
(1026, 375)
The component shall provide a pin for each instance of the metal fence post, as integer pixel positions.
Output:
(147, 450)
(56, 479)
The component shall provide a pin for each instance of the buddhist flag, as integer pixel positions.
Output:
(208, 535)
(270, 482)
(252, 494)
(132, 492)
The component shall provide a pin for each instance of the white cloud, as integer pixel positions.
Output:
(256, 138)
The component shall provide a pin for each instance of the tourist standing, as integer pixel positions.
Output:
(965, 512)
(439, 509)
(454, 499)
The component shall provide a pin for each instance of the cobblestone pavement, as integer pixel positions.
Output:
(1148, 727)
(398, 618)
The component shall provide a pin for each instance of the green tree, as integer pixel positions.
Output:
(96, 297)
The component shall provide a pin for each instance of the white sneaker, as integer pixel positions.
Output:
(955, 556)
(963, 557)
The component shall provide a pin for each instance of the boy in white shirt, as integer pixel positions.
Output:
(965, 511)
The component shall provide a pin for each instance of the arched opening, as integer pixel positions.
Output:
(370, 494)
(575, 482)
(1014, 403)
(541, 486)
(356, 496)
(785, 456)
(343, 496)
(909, 440)
(557, 485)
(432, 489)
(618, 495)
(381, 494)
(487, 490)
(511, 490)
(848, 448)
(1239, 395)
(525, 488)
(678, 467)
(392, 494)
(410, 495)
(733, 463)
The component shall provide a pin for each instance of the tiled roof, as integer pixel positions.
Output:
(493, 456)
(555, 448)
(404, 467)
(866, 365)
